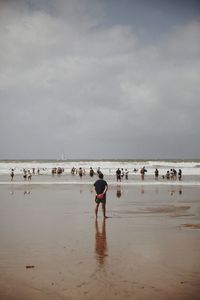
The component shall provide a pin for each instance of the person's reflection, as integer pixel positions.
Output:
(101, 243)
(119, 192)
(27, 192)
(142, 190)
(81, 190)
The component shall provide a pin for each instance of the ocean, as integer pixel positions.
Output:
(190, 169)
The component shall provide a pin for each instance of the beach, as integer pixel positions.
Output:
(53, 248)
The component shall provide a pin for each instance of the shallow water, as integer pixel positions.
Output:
(111, 179)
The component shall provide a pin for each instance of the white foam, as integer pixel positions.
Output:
(107, 167)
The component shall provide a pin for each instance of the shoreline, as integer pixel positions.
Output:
(111, 183)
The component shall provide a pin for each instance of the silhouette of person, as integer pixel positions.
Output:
(80, 172)
(142, 172)
(118, 174)
(91, 172)
(156, 173)
(29, 175)
(126, 174)
(179, 174)
(100, 187)
(12, 174)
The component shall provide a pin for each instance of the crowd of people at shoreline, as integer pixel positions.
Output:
(26, 173)
(121, 173)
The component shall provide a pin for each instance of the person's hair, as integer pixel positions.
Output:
(101, 175)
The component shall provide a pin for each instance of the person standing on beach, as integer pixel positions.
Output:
(80, 172)
(25, 174)
(118, 174)
(100, 187)
(91, 172)
(167, 175)
(142, 172)
(156, 173)
(12, 174)
(126, 174)
(98, 171)
(29, 175)
(179, 174)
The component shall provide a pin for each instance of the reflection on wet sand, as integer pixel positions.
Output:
(101, 248)
(119, 192)
(192, 226)
(27, 192)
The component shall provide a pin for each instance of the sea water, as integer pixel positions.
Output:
(190, 168)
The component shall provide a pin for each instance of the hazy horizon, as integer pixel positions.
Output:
(103, 159)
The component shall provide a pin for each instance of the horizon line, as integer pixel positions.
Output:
(98, 159)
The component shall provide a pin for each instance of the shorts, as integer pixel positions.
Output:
(103, 200)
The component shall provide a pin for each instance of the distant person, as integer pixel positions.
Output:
(91, 172)
(29, 175)
(12, 174)
(73, 171)
(156, 173)
(179, 174)
(171, 174)
(126, 174)
(53, 171)
(98, 171)
(100, 187)
(59, 171)
(25, 174)
(118, 174)
(168, 175)
(80, 172)
(175, 173)
(142, 172)
(122, 173)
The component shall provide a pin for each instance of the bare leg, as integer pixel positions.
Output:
(96, 210)
(104, 210)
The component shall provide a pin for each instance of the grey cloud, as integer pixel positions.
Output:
(69, 83)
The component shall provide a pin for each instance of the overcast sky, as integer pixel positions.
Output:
(99, 79)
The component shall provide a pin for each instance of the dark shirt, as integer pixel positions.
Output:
(100, 185)
(118, 172)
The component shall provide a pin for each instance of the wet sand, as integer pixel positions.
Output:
(52, 247)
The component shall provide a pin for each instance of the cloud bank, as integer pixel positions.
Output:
(69, 82)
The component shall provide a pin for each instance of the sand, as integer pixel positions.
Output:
(52, 247)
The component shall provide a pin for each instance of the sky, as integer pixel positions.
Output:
(99, 79)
